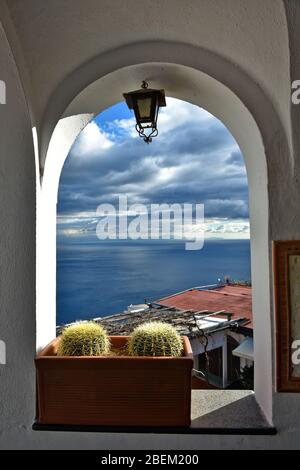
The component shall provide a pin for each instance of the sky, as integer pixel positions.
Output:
(193, 160)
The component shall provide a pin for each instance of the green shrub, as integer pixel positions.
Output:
(155, 339)
(84, 339)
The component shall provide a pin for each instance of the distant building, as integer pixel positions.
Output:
(224, 345)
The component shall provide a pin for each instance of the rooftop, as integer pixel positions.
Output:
(187, 322)
(235, 299)
(194, 312)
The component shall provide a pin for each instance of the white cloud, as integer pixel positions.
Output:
(91, 141)
(227, 228)
(212, 228)
(165, 174)
(177, 113)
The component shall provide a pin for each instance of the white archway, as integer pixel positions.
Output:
(188, 84)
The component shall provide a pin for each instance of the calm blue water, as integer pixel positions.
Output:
(97, 278)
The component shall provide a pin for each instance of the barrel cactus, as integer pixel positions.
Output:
(84, 339)
(155, 339)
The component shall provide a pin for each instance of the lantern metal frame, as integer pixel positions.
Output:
(143, 123)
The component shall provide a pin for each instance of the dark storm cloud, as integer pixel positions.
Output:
(194, 159)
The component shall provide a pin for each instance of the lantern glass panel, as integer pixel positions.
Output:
(144, 108)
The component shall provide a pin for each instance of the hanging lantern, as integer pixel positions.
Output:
(145, 104)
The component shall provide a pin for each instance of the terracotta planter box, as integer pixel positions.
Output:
(114, 391)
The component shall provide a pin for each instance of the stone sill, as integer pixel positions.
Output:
(225, 412)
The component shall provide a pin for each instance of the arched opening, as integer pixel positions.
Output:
(203, 90)
(127, 264)
(195, 160)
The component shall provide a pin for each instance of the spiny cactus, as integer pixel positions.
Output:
(84, 339)
(155, 339)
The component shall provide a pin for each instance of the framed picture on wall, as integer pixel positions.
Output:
(287, 301)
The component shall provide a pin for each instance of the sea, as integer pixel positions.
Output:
(98, 278)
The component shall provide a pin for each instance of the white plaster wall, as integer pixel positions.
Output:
(265, 94)
(62, 140)
(216, 340)
(17, 251)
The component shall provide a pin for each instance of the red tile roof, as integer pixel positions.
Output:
(232, 299)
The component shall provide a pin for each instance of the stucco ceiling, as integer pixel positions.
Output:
(56, 37)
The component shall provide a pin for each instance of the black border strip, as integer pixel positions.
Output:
(266, 431)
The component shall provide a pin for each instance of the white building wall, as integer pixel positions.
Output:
(216, 340)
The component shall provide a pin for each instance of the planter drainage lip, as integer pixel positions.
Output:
(267, 431)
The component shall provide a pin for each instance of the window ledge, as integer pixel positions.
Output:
(230, 412)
